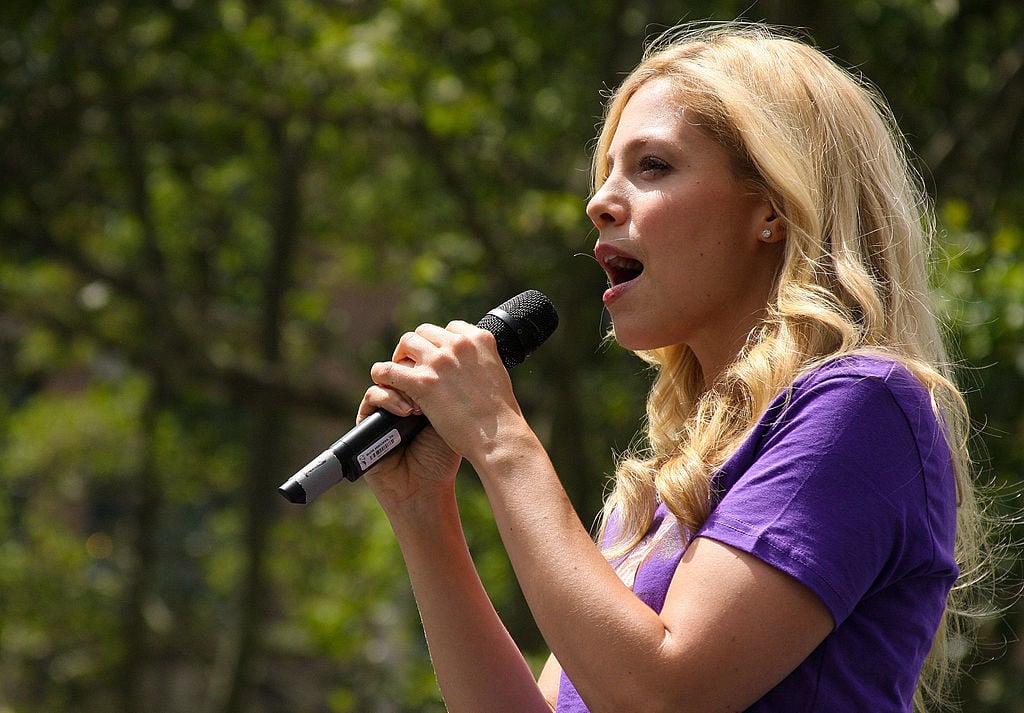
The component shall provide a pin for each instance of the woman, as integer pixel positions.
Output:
(789, 537)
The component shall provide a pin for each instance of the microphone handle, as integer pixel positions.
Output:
(359, 449)
(519, 326)
(353, 454)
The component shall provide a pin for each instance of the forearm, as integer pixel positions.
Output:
(731, 626)
(607, 640)
(478, 665)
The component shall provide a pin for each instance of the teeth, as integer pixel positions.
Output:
(623, 263)
(622, 269)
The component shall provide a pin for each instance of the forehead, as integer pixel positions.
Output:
(658, 114)
(654, 109)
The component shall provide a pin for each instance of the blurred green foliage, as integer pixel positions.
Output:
(215, 216)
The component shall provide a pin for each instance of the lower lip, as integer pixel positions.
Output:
(614, 292)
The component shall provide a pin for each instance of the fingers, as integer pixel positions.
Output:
(457, 340)
(457, 326)
(425, 358)
(379, 397)
(414, 346)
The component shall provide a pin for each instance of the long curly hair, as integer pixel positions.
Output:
(824, 147)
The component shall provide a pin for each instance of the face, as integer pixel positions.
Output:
(680, 235)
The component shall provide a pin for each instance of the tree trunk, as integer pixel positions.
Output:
(269, 425)
(146, 517)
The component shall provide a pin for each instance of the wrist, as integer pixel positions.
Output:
(428, 532)
(516, 458)
(419, 513)
(516, 450)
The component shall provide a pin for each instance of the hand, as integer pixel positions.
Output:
(454, 376)
(419, 469)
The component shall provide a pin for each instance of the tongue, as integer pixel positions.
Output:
(626, 274)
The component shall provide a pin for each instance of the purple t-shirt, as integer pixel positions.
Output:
(846, 483)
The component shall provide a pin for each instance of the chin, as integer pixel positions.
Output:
(635, 342)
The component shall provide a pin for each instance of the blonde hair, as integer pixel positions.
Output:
(824, 148)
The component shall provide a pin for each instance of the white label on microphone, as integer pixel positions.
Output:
(384, 445)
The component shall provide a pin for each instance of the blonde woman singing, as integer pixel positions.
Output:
(788, 538)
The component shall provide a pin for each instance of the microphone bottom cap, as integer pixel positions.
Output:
(293, 492)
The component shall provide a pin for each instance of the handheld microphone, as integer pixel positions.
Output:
(519, 326)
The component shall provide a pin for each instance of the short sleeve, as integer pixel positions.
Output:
(833, 490)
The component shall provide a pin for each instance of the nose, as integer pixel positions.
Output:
(607, 207)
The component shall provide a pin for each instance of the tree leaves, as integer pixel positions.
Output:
(215, 216)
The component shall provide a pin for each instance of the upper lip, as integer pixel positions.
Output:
(618, 264)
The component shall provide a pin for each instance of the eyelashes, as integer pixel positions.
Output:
(652, 164)
(647, 166)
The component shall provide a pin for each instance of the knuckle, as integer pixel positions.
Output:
(380, 371)
(462, 344)
(486, 337)
(480, 340)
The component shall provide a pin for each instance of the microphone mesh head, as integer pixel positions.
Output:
(520, 325)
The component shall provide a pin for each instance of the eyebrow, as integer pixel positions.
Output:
(645, 139)
(637, 144)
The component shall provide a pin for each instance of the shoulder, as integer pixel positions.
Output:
(852, 428)
(872, 386)
(848, 471)
(859, 403)
(862, 371)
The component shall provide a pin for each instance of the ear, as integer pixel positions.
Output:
(774, 229)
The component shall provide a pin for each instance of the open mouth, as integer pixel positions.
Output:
(621, 269)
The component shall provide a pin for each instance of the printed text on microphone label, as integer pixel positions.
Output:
(384, 445)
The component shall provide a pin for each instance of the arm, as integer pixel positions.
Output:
(477, 664)
(549, 681)
(732, 627)
(750, 622)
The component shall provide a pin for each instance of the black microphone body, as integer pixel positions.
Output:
(519, 326)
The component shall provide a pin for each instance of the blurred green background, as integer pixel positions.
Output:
(215, 215)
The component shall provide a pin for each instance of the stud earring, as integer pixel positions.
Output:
(766, 233)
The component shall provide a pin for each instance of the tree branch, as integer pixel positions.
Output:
(945, 145)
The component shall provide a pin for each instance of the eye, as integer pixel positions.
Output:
(652, 164)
